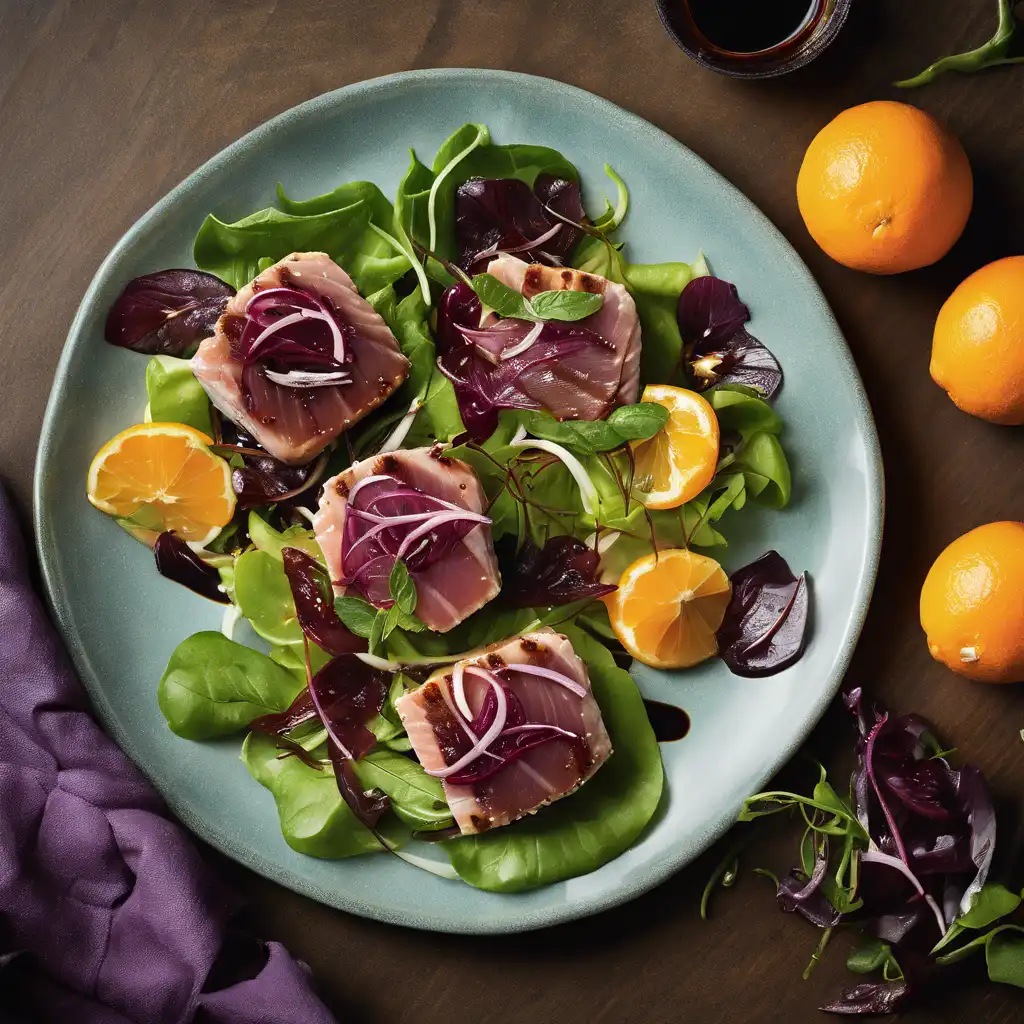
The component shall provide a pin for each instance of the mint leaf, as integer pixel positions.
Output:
(638, 422)
(503, 300)
(565, 305)
(357, 614)
(403, 590)
(377, 633)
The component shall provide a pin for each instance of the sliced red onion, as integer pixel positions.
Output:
(548, 673)
(308, 378)
(549, 234)
(514, 730)
(494, 249)
(259, 305)
(527, 342)
(439, 520)
(459, 690)
(375, 662)
(394, 440)
(357, 487)
(480, 746)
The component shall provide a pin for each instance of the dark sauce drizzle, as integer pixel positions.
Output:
(668, 721)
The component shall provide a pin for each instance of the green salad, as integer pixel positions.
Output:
(455, 460)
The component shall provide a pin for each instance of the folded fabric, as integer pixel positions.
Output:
(108, 914)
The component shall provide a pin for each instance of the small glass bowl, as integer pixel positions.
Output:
(800, 49)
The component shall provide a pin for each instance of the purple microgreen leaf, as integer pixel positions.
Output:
(299, 711)
(178, 562)
(367, 807)
(167, 313)
(765, 624)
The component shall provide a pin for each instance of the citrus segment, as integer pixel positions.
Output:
(165, 475)
(677, 463)
(668, 608)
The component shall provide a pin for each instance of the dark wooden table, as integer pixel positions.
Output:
(106, 104)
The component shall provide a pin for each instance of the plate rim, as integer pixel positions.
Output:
(247, 855)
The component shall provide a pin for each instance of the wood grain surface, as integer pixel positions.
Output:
(106, 104)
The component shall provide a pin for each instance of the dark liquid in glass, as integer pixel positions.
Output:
(750, 26)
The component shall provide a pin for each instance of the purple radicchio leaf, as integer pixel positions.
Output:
(505, 215)
(871, 997)
(765, 624)
(347, 693)
(167, 313)
(565, 570)
(279, 723)
(178, 562)
(710, 312)
(566, 369)
(263, 480)
(719, 349)
(314, 604)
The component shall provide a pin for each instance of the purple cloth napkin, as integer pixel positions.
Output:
(108, 915)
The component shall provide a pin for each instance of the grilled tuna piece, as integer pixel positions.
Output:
(552, 741)
(616, 321)
(453, 565)
(295, 424)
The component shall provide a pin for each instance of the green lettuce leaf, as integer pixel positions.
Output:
(337, 223)
(416, 797)
(175, 396)
(264, 597)
(314, 818)
(213, 686)
(578, 834)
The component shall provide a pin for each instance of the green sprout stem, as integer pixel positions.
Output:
(989, 54)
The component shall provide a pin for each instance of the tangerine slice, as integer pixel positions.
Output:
(668, 608)
(166, 472)
(676, 464)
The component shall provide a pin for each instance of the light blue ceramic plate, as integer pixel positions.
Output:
(121, 620)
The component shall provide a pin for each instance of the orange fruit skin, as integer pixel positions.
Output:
(973, 598)
(978, 344)
(884, 188)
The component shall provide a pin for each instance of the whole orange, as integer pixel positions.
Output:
(972, 604)
(884, 187)
(978, 345)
